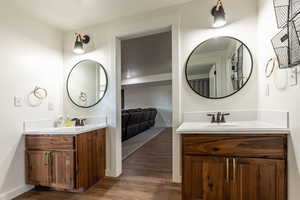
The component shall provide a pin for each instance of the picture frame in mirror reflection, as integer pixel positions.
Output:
(219, 67)
(87, 83)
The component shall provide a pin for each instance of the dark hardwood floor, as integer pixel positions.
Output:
(146, 176)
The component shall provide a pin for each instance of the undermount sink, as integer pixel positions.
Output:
(247, 122)
(220, 125)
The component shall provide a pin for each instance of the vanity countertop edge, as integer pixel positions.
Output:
(245, 128)
(65, 130)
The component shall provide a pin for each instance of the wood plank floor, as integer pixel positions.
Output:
(146, 176)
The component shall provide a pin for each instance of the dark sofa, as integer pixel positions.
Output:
(136, 121)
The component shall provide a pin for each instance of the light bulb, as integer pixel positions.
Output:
(219, 15)
(78, 47)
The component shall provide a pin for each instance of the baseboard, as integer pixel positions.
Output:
(176, 179)
(110, 173)
(15, 192)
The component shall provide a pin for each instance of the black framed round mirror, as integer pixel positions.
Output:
(219, 67)
(87, 83)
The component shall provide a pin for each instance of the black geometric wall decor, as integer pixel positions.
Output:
(286, 43)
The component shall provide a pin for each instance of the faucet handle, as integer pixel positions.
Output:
(82, 122)
(223, 117)
(213, 117)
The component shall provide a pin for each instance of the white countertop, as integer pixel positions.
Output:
(65, 130)
(236, 127)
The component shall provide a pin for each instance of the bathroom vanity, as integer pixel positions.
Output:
(240, 160)
(71, 159)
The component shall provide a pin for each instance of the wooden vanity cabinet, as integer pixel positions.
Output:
(65, 162)
(234, 167)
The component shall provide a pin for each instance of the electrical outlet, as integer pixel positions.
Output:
(18, 101)
(51, 106)
(293, 76)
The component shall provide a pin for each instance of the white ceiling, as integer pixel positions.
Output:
(213, 45)
(74, 14)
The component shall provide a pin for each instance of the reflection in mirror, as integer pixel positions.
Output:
(219, 67)
(87, 83)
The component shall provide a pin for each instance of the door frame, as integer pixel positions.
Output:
(116, 141)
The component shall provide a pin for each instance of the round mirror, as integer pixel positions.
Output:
(87, 83)
(219, 67)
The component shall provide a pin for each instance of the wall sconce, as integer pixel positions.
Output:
(219, 15)
(80, 40)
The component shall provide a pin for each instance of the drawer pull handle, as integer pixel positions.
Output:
(227, 170)
(234, 168)
(46, 159)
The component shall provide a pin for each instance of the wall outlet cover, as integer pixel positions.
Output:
(51, 106)
(293, 76)
(18, 101)
(267, 90)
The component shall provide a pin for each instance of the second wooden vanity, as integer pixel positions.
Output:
(234, 167)
(72, 162)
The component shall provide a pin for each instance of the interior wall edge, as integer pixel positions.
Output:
(15, 192)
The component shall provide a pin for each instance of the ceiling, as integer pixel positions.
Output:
(213, 45)
(75, 14)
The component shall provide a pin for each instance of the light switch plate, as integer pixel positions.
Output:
(51, 106)
(18, 101)
(267, 90)
(293, 76)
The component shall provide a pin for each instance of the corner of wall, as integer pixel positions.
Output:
(15, 192)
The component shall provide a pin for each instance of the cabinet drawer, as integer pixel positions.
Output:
(48, 142)
(264, 146)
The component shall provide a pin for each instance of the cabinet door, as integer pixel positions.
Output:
(205, 178)
(91, 158)
(100, 154)
(62, 169)
(258, 179)
(38, 167)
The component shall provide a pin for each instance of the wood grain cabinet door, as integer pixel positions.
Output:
(91, 158)
(38, 168)
(259, 179)
(205, 178)
(62, 169)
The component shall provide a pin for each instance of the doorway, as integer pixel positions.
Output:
(146, 102)
(116, 139)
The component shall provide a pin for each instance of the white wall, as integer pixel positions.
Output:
(159, 97)
(286, 98)
(30, 54)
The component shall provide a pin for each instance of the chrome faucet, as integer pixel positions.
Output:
(220, 118)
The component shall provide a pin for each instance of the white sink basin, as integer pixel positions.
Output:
(263, 122)
(220, 125)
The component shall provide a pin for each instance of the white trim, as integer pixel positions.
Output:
(15, 192)
(176, 100)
